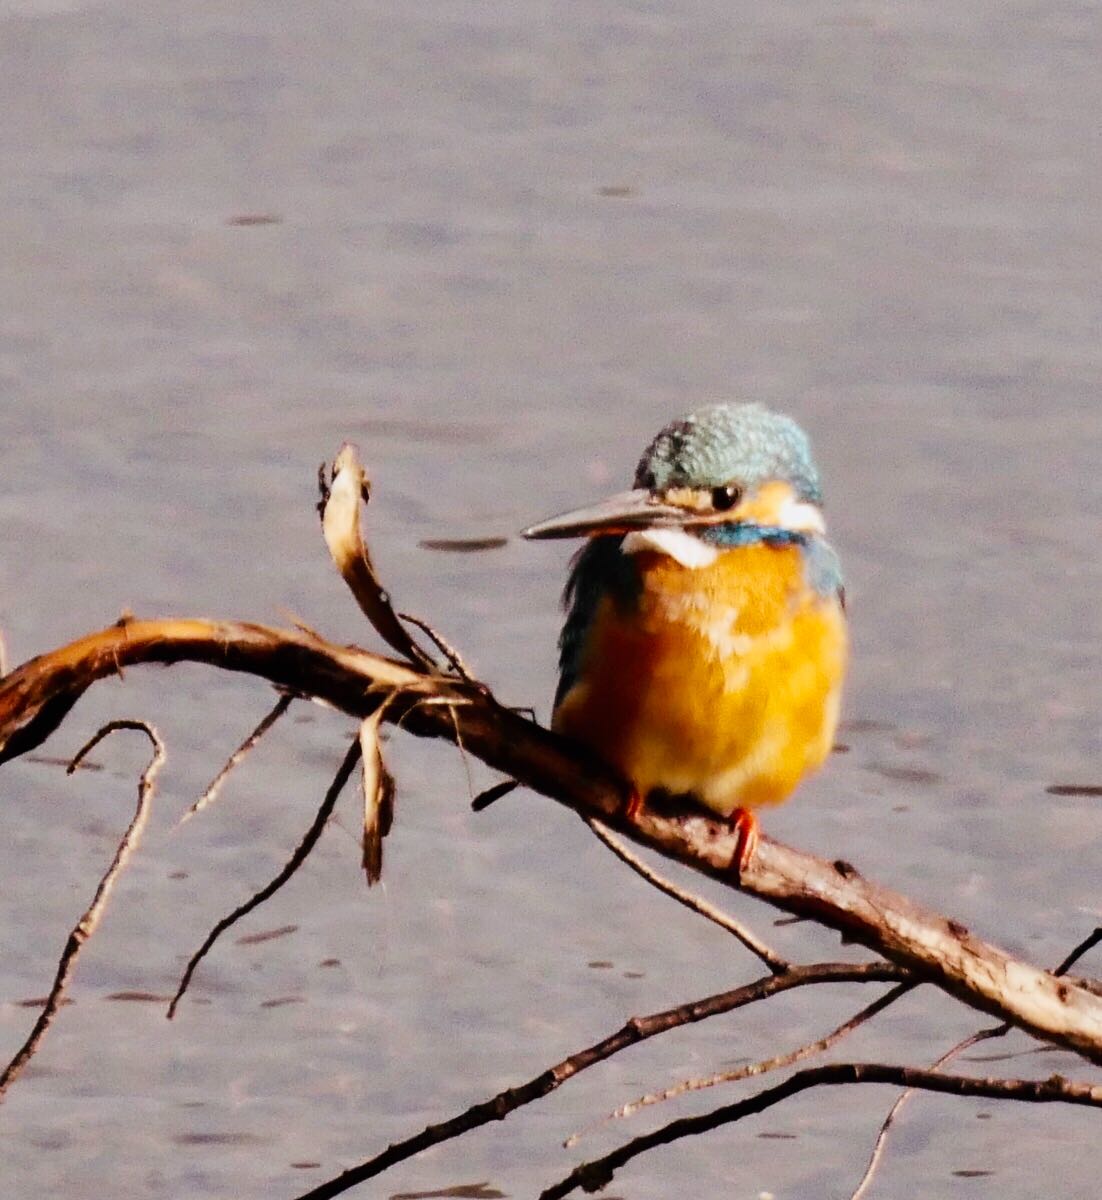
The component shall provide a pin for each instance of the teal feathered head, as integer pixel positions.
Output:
(723, 444)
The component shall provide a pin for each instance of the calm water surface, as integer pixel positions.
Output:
(507, 243)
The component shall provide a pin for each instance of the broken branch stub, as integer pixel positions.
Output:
(340, 522)
(378, 796)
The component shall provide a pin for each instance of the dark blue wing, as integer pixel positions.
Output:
(600, 568)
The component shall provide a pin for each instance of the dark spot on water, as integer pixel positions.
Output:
(600, 964)
(51, 1141)
(787, 921)
(904, 774)
(305, 719)
(48, 760)
(246, 220)
(177, 874)
(901, 808)
(983, 1116)
(139, 997)
(217, 1139)
(635, 975)
(252, 939)
(616, 191)
(778, 1137)
(463, 545)
(840, 748)
(282, 1001)
(1093, 790)
(461, 1191)
(330, 962)
(969, 1174)
(866, 726)
(305, 1166)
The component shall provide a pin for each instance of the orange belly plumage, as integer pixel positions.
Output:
(722, 682)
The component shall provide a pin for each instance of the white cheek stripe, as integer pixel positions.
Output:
(800, 517)
(682, 547)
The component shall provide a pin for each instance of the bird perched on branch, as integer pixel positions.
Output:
(705, 640)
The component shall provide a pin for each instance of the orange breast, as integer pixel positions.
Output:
(723, 681)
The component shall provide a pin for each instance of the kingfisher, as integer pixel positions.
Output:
(705, 644)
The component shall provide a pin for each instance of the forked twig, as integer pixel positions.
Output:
(752, 1070)
(455, 659)
(309, 841)
(698, 904)
(592, 1176)
(86, 926)
(636, 1030)
(981, 1035)
(212, 789)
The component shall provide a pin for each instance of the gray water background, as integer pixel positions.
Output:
(509, 242)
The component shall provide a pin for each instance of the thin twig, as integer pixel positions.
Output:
(215, 785)
(1088, 943)
(636, 1030)
(3, 656)
(592, 1176)
(484, 799)
(746, 936)
(87, 924)
(455, 659)
(882, 1134)
(751, 1070)
(981, 1035)
(296, 860)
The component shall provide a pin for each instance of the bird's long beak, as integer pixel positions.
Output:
(623, 513)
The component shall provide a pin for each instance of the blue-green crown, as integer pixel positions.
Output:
(730, 443)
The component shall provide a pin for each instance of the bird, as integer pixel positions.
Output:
(705, 641)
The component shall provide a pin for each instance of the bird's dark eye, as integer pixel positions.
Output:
(726, 497)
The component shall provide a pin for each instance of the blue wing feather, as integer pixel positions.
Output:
(598, 569)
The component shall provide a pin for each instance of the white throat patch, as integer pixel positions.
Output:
(682, 547)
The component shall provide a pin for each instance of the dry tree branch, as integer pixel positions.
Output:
(86, 926)
(752, 1070)
(636, 1030)
(593, 1176)
(210, 793)
(309, 841)
(35, 698)
(696, 904)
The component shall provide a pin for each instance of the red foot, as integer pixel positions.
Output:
(634, 805)
(745, 825)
